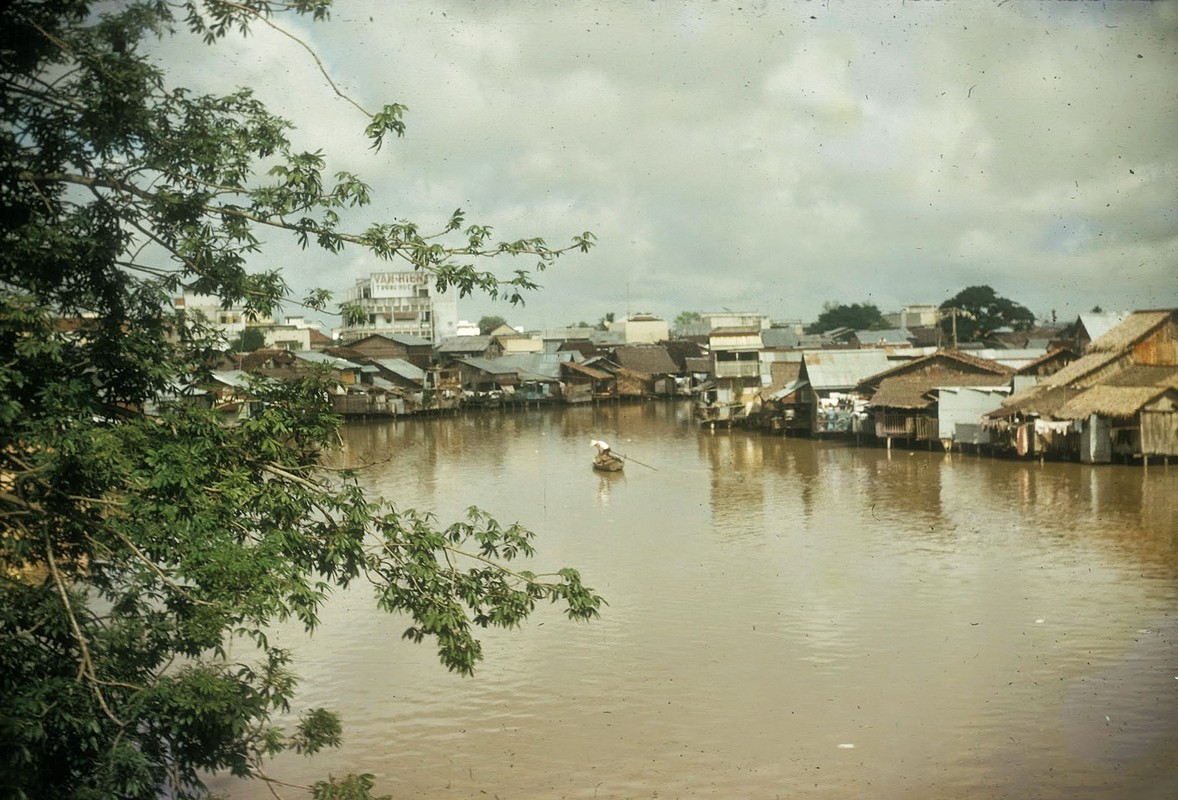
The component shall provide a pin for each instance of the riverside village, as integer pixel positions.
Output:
(1097, 389)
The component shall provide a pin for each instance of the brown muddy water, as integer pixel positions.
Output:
(787, 618)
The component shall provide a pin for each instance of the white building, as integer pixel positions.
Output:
(642, 329)
(285, 337)
(735, 319)
(230, 321)
(402, 303)
(921, 315)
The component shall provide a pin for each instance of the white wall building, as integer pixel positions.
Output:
(642, 329)
(402, 303)
(735, 319)
(922, 315)
(230, 321)
(286, 337)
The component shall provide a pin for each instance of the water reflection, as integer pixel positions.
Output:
(965, 623)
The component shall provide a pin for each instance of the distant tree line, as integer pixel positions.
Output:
(978, 312)
(856, 316)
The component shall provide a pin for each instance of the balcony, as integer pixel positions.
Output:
(737, 369)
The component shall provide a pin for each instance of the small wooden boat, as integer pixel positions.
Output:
(607, 462)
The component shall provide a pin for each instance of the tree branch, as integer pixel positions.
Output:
(86, 665)
(315, 56)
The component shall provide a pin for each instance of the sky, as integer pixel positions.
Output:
(750, 156)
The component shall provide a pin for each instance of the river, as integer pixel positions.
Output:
(787, 618)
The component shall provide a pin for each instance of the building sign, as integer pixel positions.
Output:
(397, 284)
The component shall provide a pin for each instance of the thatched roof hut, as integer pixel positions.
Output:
(1116, 402)
(1141, 353)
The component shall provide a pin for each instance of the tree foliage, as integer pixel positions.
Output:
(250, 339)
(143, 556)
(686, 318)
(855, 316)
(490, 323)
(980, 311)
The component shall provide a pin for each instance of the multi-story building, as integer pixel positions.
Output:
(402, 303)
(231, 321)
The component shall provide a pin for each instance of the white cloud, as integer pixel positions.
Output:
(770, 158)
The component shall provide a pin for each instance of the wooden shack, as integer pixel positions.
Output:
(1115, 401)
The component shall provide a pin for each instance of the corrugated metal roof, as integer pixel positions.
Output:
(779, 338)
(891, 336)
(494, 366)
(842, 369)
(465, 344)
(742, 337)
(988, 390)
(1135, 327)
(1098, 323)
(406, 339)
(401, 367)
(528, 366)
(790, 388)
(233, 377)
(566, 334)
(388, 386)
(317, 357)
(1012, 357)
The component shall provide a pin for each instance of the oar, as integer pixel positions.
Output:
(636, 461)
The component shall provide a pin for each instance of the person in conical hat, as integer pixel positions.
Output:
(602, 447)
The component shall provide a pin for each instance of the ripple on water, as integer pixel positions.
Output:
(966, 623)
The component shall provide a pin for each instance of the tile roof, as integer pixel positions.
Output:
(947, 363)
(918, 391)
